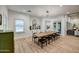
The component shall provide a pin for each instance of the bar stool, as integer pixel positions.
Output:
(57, 35)
(49, 38)
(34, 37)
(54, 36)
(42, 41)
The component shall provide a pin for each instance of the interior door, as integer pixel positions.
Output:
(59, 27)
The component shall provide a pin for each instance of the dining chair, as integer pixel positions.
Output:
(42, 41)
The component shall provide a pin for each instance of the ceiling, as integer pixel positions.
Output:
(40, 10)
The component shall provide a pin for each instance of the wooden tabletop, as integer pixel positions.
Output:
(41, 34)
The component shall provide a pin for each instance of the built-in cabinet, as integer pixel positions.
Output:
(6, 42)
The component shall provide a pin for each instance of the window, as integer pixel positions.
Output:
(19, 26)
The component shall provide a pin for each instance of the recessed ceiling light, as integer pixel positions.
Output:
(29, 11)
(47, 11)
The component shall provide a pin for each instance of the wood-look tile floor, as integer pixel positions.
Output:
(65, 44)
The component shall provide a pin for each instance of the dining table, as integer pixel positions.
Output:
(43, 34)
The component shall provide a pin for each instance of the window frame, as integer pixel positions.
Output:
(15, 26)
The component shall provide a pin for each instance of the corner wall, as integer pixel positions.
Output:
(27, 19)
(4, 13)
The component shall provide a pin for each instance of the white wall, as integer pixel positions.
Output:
(27, 19)
(61, 19)
(74, 20)
(38, 22)
(4, 13)
(8, 18)
(51, 20)
(64, 25)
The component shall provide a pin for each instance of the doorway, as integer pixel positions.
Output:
(57, 27)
